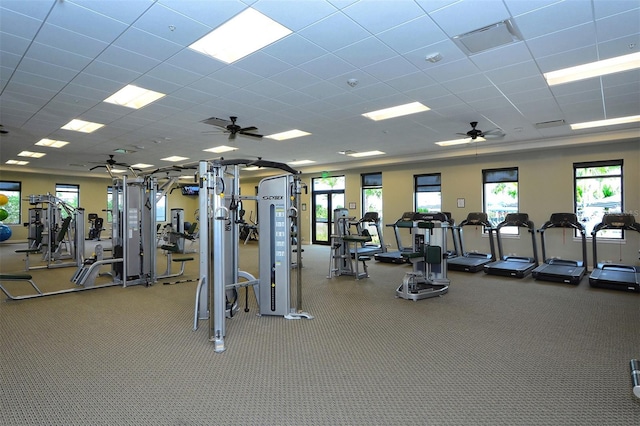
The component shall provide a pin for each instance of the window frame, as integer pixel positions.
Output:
(417, 185)
(611, 234)
(6, 186)
(497, 172)
(369, 181)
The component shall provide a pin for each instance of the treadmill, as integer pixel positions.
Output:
(562, 270)
(369, 219)
(514, 266)
(451, 254)
(406, 221)
(615, 276)
(472, 261)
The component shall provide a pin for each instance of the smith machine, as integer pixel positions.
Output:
(133, 260)
(278, 202)
(56, 231)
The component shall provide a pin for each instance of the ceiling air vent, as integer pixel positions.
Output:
(547, 124)
(488, 37)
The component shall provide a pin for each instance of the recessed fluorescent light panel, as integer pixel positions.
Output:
(460, 141)
(242, 35)
(141, 166)
(594, 69)
(366, 153)
(609, 122)
(295, 133)
(17, 162)
(134, 97)
(175, 158)
(251, 168)
(51, 143)
(396, 111)
(220, 149)
(82, 126)
(301, 162)
(31, 154)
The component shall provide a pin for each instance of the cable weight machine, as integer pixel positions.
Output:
(278, 202)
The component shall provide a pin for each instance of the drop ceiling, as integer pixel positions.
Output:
(60, 59)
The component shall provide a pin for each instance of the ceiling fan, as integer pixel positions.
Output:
(109, 164)
(3, 131)
(474, 133)
(232, 128)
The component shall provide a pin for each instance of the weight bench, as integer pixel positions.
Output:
(17, 277)
(27, 252)
(170, 249)
(358, 240)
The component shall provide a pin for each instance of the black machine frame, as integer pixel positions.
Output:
(614, 276)
(514, 266)
(472, 261)
(562, 270)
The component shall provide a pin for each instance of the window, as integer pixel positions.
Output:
(161, 206)
(372, 197)
(69, 194)
(372, 193)
(12, 190)
(109, 204)
(598, 190)
(427, 193)
(500, 195)
(161, 209)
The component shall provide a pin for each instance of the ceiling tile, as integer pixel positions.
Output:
(294, 50)
(413, 35)
(295, 15)
(147, 44)
(127, 59)
(616, 26)
(47, 70)
(327, 66)
(323, 32)
(555, 17)
(382, 15)
(170, 25)
(365, 52)
(126, 11)
(58, 57)
(469, 15)
(563, 41)
(262, 64)
(78, 19)
(18, 24)
(295, 78)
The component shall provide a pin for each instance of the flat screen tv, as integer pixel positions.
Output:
(190, 190)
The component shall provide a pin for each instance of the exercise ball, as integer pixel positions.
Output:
(3, 199)
(3, 214)
(5, 233)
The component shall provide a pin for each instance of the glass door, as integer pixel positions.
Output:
(328, 194)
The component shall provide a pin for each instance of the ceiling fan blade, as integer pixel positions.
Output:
(97, 167)
(248, 129)
(496, 133)
(253, 135)
(232, 136)
(219, 122)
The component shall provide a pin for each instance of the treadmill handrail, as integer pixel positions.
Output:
(624, 221)
(476, 219)
(564, 220)
(520, 220)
